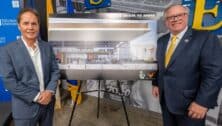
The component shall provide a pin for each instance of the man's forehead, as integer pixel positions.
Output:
(27, 18)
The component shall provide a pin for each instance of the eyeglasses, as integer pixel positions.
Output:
(176, 17)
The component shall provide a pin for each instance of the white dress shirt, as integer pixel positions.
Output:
(37, 62)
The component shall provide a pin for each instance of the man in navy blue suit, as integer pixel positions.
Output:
(189, 70)
(30, 72)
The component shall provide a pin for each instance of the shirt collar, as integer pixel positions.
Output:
(181, 34)
(29, 48)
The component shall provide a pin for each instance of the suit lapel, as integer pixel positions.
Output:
(183, 42)
(163, 49)
(43, 57)
(27, 58)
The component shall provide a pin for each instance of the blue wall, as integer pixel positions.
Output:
(9, 32)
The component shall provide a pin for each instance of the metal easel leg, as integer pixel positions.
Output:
(74, 106)
(98, 100)
(123, 102)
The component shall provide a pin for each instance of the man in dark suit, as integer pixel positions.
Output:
(30, 72)
(189, 71)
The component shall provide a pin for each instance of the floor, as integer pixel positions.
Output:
(5, 109)
(111, 114)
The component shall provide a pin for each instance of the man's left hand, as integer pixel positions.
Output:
(45, 97)
(197, 111)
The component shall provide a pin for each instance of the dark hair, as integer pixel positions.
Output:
(24, 10)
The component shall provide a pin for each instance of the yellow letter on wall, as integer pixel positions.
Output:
(199, 16)
(93, 2)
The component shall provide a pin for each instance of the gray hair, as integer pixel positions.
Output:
(169, 7)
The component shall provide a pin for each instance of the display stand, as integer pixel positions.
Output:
(98, 100)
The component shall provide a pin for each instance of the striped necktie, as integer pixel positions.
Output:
(170, 50)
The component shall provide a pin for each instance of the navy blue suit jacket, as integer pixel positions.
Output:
(19, 76)
(194, 72)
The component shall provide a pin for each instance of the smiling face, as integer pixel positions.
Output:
(176, 18)
(29, 26)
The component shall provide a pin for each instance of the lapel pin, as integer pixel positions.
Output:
(186, 40)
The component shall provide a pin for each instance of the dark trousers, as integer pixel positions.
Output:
(43, 118)
(171, 119)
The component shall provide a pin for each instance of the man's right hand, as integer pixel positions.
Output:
(155, 91)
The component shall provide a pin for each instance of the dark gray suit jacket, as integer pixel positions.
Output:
(194, 72)
(19, 76)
